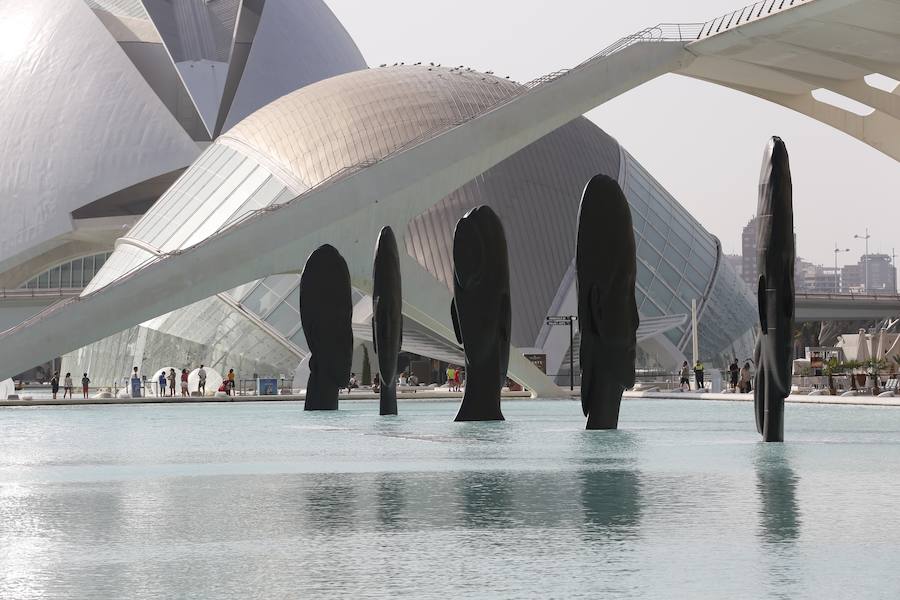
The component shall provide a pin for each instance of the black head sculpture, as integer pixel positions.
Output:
(608, 319)
(326, 312)
(387, 316)
(775, 291)
(482, 317)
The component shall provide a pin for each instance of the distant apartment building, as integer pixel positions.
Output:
(882, 275)
(748, 253)
(737, 263)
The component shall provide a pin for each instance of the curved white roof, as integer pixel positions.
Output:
(102, 96)
(316, 131)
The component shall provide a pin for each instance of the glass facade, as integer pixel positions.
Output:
(676, 257)
(74, 274)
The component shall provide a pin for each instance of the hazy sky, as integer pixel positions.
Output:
(703, 142)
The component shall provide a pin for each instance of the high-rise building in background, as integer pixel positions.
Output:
(882, 275)
(748, 253)
(737, 263)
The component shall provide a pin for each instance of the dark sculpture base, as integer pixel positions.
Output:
(388, 400)
(604, 414)
(320, 396)
(481, 401)
(769, 405)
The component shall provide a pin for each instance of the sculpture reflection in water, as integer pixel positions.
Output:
(776, 483)
(781, 523)
(481, 313)
(326, 310)
(610, 485)
(387, 316)
(608, 318)
(775, 291)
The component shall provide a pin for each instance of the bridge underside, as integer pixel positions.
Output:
(826, 307)
(836, 61)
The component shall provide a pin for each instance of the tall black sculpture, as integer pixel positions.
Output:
(775, 291)
(326, 311)
(387, 317)
(608, 319)
(482, 317)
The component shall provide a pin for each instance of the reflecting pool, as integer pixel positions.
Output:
(266, 501)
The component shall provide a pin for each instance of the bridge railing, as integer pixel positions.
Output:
(851, 296)
(742, 16)
(28, 293)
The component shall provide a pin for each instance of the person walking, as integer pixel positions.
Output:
(685, 376)
(171, 382)
(184, 384)
(201, 384)
(457, 379)
(85, 385)
(54, 384)
(698, 374)
(68, 388)
(735, 374)
(230, 390)
(745, 378)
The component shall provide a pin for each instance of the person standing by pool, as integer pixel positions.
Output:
(735, 373)
(698, 374)
(68, 388)
(451, 372)
(184, 383)
(161, 382)
(85, 385)
(171, 382)
(457, 379)
(54, 384)
(685, 376)
(135, 383)
(201, 384)
(230, 389)
(745, 378)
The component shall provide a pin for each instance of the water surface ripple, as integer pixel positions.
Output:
(266, 501)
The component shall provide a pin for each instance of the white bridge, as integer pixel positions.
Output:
(784, 51)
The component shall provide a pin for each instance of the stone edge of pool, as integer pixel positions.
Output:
(439, 396)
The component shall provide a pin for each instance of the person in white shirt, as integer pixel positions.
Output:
(201, 384)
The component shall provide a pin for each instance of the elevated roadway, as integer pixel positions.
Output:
(846, 307)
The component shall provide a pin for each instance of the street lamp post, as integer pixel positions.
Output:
(865, 237)
(837, 284)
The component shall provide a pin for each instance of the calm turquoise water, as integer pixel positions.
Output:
(266, 501)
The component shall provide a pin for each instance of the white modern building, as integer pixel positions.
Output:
(106, 102)
(412, 147)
